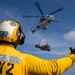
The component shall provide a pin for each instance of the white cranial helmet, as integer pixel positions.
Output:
(10, 31)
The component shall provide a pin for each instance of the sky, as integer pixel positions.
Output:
(60, 36)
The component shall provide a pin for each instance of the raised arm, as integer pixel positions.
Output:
(37, 66)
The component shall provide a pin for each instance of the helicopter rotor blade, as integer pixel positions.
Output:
(31, 16)
(56, 21)
(39, 8)
(57, 11)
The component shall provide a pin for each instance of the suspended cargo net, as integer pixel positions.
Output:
(43, 45)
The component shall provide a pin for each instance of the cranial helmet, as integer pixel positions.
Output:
(11, 32)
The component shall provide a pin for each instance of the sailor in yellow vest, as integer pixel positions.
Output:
(13, 62)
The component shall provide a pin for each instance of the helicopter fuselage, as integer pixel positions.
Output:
(43, 24)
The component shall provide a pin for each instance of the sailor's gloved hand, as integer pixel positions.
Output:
(72, 54)
(72, 50)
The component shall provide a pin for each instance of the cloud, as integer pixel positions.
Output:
(9, 13)
(6, 12)
(70, 36)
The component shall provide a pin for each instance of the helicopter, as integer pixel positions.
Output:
(44, 19)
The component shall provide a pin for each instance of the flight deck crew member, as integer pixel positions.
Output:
(13, 62)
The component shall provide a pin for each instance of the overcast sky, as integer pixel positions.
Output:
(60, 36)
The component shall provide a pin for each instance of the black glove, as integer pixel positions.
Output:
(72, 50)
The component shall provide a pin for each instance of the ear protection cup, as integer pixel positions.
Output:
(22, 38)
